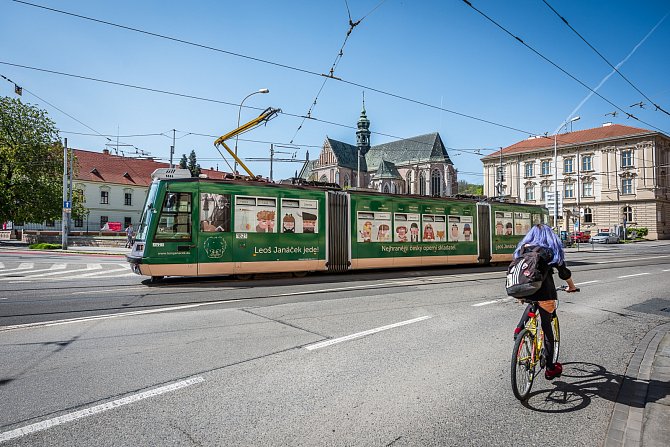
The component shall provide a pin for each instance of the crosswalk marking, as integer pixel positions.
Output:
(103, 272)
(88, 268)
(22, 266)
(53, 267)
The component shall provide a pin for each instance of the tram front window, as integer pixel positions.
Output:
(174, 221)
(147, 213)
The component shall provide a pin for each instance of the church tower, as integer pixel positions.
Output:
(363, 132)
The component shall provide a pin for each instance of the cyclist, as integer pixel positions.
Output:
(541, 238)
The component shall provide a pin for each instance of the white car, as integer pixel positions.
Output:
(604, 238)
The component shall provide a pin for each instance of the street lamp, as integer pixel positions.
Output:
(263, 90)
(572, 120)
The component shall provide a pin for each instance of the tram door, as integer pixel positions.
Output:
(484, 226)
(174, 242)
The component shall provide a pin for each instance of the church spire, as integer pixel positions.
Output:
(363, 132)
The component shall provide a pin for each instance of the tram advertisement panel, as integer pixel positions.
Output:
(509, 223)
(262, 224)
(388, 227)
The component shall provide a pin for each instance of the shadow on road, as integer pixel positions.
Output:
(582, 382)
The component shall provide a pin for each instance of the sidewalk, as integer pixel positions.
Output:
(16, 245)
(641, 415)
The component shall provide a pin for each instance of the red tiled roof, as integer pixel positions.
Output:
(108, 168)
(578, 137)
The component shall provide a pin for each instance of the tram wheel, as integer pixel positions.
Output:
(155, 279)
(244, 276)
(299, 274)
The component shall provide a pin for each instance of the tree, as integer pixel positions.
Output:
(183, 163)
(193, 165)
(31, 164)
(470, 189)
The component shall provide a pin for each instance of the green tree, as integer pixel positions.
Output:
(31, 164)
(183, 163)
(470, 188)
(193, 165)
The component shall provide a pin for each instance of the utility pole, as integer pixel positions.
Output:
(64, 213)
(500, 178)
(172, 148)
(272, 158)
(69, 215)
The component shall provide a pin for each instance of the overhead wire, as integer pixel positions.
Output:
(570, 75)
(199, 98)
(658, 107)
(297, 69)
(331, 72)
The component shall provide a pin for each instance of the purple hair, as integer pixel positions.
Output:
(542, 235)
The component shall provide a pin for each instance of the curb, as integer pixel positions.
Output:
(626, 426)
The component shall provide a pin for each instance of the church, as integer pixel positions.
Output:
(418, 165)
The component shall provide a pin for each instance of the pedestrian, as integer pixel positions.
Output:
(130, 233)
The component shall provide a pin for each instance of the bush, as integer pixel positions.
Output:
(641, 232)
(44, 246)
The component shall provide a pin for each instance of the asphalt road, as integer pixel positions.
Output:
(412, 357)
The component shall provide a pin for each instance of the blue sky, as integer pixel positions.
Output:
(441, 53)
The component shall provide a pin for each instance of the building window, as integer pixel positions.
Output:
(104, 197)
(528, 170)
(545, 190)
(627, 214)
(627, 158)
(587, 189)
(569, 191)
(436, 183)
(627, 186)
(385, 189)
(128, 199)
(78, 222)
(567, 166)
(337, 177)
(50, 223)
(127, 221)
(346, 181)
(103, 221)
(422, 184)
(588, 215)
(546, 167)
(587, 163)
(530, 193)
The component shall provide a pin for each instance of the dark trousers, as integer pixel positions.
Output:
(545, 319)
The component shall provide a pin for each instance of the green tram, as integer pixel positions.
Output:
(204, 227)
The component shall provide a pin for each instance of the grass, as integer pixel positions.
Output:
(45, 246)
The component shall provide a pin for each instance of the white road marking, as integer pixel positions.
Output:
(668, 270)
(52, 268)
(499, 300)
(108, 316)
(22, 266)
(333, 341)
(102, 272)
(636, 274)
(632, 259)
(89, 267)
(586, 282)
(32, 428)
(2, 266)
(111, 290)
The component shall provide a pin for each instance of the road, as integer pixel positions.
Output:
(402, 358)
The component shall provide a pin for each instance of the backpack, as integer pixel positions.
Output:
(526, 274)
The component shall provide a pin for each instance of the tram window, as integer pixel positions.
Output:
(215, 212)
(255, 214)
(174, 222)
(299, 216)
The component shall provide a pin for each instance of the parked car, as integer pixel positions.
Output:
(604, 238)
(580, 236)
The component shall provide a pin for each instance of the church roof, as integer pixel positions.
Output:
(346, 154)
(420, 148)
(388, 170)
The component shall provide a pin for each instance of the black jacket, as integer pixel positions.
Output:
(548, 289)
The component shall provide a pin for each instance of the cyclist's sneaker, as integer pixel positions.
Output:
(517, 330)
(555, 372)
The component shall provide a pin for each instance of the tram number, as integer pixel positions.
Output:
(241, 235)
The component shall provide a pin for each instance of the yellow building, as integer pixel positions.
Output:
(606, 177)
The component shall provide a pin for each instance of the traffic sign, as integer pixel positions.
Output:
(67, 204)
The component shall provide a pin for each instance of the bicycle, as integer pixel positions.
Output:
(528, 351)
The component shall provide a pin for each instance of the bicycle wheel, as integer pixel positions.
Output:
(523, 364)
(557, 336)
